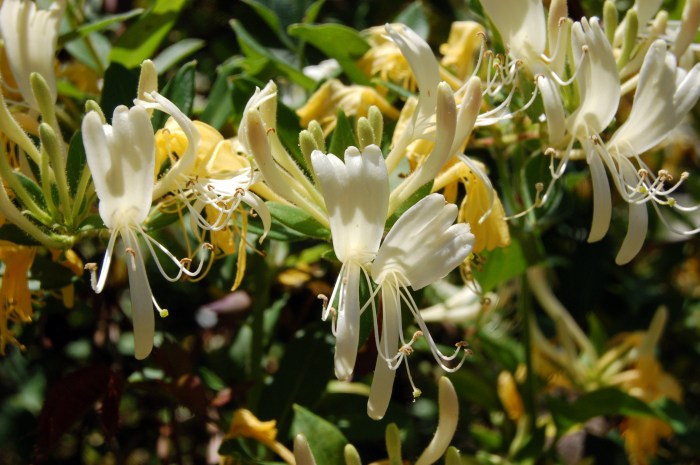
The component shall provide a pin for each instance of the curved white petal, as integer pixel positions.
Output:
(664, 96)
(356, 192)
(141, 298)
(348, 322)
(553, 110)
(597, 79)
(602, 203)
(30, 37)
(447, 424)
(302, 451)
(421, 59)
(423, 244)
(636, 233)
(383, 380)
(521, 24)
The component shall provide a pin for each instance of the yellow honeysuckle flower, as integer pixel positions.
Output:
(510, 396)
(246, 425)
(385, 60)
(15, 298)
(463, 44)
(354, 100)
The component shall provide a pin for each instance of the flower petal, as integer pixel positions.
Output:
(424, 244)
(141, 298)
(356, 193)
(348, 322)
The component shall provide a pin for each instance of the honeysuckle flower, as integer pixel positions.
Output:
(15, 297)
(385, 60)
(258, 138)
(333, 95)
(30, 37)
(218, 180)
(121, 157)
(423, 246)
(246, 425)
(462, 46)
(356, 193)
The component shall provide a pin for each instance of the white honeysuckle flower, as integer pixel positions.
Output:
(30, 37)
(422, 247)
(257, 135)
(356, 193)
(597, 79)
(121, 157)
(522, 26)
(665, 94)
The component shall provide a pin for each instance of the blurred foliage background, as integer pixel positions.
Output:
(77, 395)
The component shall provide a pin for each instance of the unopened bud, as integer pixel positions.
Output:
(365, 134)
(376, 119)
(317, 131)
(610, 19)
(393, 444)
(352, 457)
(630, 37)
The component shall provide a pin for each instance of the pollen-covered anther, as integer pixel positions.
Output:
(130, 251)
(665, 175)
(209, 246)
(551, 152)
(270, 130)
(91, 267)
(186, 262)
(595, 139)
(464, 345)
(324, 300)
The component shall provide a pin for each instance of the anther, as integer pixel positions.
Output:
(324, 299)
(130, 251)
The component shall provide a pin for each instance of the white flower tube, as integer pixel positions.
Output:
(30, 37)
(121, 158)
(356, 193)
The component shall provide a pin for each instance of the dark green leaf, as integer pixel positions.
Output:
(93, 55)
(32, 189)
(180, 91)
(342, 137)
(272, 20)
(95, 26)
(500, 265)
(304, 372)
(297, 219)
(50, 274)
(252, 48)
(344, 44)
(414, 17)
(606, 401)
(76, 161)
(325, 440)
(120, 87)
(142, 39)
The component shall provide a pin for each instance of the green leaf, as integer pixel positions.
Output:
(325, 440)
(93, 55)
(120, 87)
(502, 349)
(50, 274)
(342, 137)
(103, 23)
(272, 20)
(76, 161)
(180, 91)
(252, 48)
(343, 43)
(176, 52)
(414, 17)
(219, 108)
(606, 401)
(142, 39)
(304, 372)
(297, 219)
(159, 220)
(32, 189)
(500, 265)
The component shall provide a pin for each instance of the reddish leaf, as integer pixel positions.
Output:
(67, 402)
